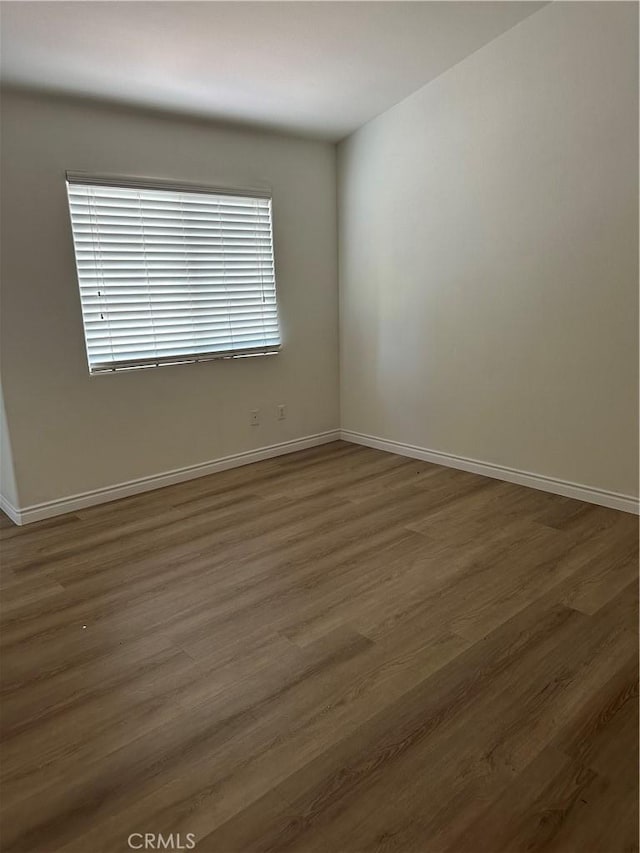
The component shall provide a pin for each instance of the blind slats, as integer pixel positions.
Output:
(170, 275)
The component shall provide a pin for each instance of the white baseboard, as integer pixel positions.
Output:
(9, 509)
(38, 512)
(613, 500)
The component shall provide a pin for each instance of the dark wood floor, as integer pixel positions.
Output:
(337, 650)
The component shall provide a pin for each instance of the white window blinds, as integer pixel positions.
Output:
(169, 274)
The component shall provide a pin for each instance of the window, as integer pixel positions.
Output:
(171, 274)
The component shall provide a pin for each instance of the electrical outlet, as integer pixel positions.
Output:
(282, 412)
(254, 417)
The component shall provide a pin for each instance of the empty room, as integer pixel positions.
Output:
(319, 426)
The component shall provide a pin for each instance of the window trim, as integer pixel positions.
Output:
(145, 183)
(130, 182)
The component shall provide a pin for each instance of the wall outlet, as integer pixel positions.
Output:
(282, 412)
(254, 417)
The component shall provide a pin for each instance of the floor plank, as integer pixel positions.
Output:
(336, 650)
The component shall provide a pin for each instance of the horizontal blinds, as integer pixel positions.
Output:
(171, 275)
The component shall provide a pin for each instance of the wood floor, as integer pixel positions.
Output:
(333, 651)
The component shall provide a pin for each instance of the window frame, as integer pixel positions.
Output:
(128, 182)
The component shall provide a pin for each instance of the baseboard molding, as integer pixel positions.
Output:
(613, 500)
(10, 510)
(50, 509)
(38, 512)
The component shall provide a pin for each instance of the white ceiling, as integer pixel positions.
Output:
(316, 68)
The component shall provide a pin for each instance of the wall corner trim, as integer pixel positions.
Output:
(10, 510)
(73, 503)
(613, 500)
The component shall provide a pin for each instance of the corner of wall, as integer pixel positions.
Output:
(9, 499)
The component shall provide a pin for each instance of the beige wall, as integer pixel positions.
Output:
(488, 231)
(488, 274)
(71, 432)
